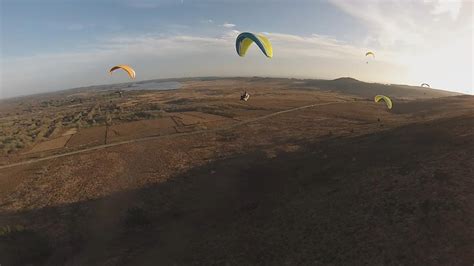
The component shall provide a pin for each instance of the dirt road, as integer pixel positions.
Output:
(166, 136)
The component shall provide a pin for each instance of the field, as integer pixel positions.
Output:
(307, 172)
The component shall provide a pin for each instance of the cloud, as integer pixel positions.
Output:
(432, 40)
(145, 3)
(228, 25)
(312, 46)
(405, 24)
(159, 56)
(76, 27)
(390, 23)
(150, 3)
(206, 21)
(452, 7)
(402, 55)
(152, 56)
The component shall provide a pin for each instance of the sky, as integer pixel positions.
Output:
(49, 45)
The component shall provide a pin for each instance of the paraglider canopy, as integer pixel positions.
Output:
(126, 68)
(425, 85)
(370, 53)
(387, 100)
(245, 39)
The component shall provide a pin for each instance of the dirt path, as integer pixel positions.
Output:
(166, 136)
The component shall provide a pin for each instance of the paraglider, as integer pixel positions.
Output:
(245, 39)
(425, 85)
(128, 69)
(245, 96)
(387, 100)
(369, 53)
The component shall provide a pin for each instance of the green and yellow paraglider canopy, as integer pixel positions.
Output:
(370, 53)
(385, 99)
(245, 39)
(128, 69)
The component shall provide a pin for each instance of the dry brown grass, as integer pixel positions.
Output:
(343, 183)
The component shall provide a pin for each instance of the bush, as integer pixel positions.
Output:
(143, 115)
(6, 230)
(19, 145)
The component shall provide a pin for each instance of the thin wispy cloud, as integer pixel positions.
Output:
(312, 46)
(415, 41)
(75, 27)
(427, 38)
(150, 3)
(228, 25)
(389, 23)
(146, 3)
(150, 54)
(451, 7)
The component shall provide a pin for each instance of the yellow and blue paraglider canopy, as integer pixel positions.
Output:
(245, 39)
(128, 69)
(385, 99)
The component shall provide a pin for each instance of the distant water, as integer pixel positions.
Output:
(154, 86)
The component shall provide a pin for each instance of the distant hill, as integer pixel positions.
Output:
(353, 86)
(346, 85)
(346, 79)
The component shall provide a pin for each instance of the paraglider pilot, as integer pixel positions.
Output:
(245, 96)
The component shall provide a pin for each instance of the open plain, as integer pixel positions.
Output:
(307, 172)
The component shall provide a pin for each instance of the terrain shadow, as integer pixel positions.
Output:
(402, 196)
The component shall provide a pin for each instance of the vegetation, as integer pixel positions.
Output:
(19, 246)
